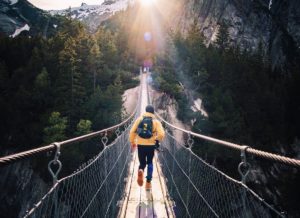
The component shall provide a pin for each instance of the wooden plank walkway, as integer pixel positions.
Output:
(138, 202)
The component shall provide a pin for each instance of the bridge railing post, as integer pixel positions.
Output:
(55, 161)
(54, 175)
(244, 166)
(244, 169)
(190, 143)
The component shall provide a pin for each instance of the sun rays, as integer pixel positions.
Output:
(148, 22)
(147, 2)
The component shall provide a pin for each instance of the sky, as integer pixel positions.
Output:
(62, 4)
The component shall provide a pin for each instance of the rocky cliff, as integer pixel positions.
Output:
(21, 17)
(94, 15)
(23, 188)
(273, 23)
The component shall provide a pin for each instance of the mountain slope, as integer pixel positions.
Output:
(21, 17)
(93, 15)
(272, 23)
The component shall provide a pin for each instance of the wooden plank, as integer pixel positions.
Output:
(139, 202)
(159, 210)
(164, 192)
(159, 206)
(146, 204)
(128, 186)
(146, 209)
(133, 205)
(133, 208)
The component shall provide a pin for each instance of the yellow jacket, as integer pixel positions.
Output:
(157, 130)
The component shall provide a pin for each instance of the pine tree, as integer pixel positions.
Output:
(65, 81)
(195, 46)
(41, 93)
(94, 107)
(222, 39)
(83, 127)
(106, 42)
(94, 61)
(71, 91)
(55, 131)
(4, 78)
(42, 80)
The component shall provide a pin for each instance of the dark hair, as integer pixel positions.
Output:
(150, 109)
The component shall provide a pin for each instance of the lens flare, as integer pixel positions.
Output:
(147, 36)
(147, 2)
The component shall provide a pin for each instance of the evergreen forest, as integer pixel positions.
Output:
(71, 83)
(248, 102)
(64, 86)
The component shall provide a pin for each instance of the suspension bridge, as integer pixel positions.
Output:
(183, 184)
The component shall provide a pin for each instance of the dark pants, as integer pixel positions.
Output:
(146, 153)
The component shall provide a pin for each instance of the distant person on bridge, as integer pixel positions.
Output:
(146, 133)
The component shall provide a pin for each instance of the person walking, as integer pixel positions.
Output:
(145, 134)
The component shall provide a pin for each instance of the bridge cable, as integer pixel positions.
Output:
(206, 191)
(253, 151)
(200, 190)
(27, 154)
(97, 186)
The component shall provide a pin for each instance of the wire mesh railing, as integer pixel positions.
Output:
(197, 188)
(95, 189)
(92, 191)
(97, 186)
(200, 190)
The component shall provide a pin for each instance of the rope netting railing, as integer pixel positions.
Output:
(94, 189)
(196, 188)
(97, 187)
(200, 190)
(56, 145)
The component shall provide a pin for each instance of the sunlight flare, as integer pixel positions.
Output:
(147, 2)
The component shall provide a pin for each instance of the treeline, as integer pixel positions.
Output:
(247, 101)
(67, 85)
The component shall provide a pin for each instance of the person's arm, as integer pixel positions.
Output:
(133, 134)
(160, 131)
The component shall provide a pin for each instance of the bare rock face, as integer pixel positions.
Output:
(23, 188)
(167, 108)
(21, 17)
(273, 23)
(94, 15)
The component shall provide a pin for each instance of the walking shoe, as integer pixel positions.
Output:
(148, 186)
(140, 179)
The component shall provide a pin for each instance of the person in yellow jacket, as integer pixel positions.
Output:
(145, 134)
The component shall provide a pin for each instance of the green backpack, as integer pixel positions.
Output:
(144, 129)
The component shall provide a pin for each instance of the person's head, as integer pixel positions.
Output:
(150, 109)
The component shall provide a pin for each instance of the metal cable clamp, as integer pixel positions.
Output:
(104, 139)
(55, 161)
(244, 166)
(118, 132)
(190, 141)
